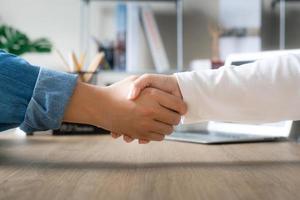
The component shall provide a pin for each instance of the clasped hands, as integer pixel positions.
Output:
(161, 107)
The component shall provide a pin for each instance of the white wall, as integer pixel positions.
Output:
(57, 20)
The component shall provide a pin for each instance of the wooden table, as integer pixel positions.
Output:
(45, 167)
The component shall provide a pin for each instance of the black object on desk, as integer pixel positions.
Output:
(79, 129)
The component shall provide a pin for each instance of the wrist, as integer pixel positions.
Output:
(82, 107)
(173, 77)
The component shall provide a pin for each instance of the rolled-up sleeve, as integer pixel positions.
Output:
(32, 98)
(50, 97)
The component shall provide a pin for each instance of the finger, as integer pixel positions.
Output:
(134, 92)
(167, 116)
(171, 102)
(133, 77)
(115, 135)
(153, 136)
(141, 141)
(127, 139)
(147, 80)
(139, 84)
(161, 128)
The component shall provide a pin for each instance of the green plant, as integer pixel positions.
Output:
(16, 42)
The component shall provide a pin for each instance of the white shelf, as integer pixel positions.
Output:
(85, 34)
(109, 77)
(141, 1)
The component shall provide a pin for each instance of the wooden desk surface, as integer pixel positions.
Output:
(97, 167)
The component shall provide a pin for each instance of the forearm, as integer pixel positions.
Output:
(264, 91)
(32, 98)
(87, 105)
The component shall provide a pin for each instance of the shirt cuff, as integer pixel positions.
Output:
(186, 83)
(51, 95)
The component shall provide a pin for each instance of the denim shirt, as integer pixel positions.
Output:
(31, 97)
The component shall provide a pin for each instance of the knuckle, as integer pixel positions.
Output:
(147, 112)
(181, 106)
(143, 125)
(160, 138)
(153, 92)
(147, 127)
(137, 135)
(133, 77)
(167, 130)
(146, 76)
(145, 137)
(135, 84)
(184, 108)
(170, 130)
(177, 120)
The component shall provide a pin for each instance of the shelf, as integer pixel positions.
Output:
(110, 77)
(275, 2)
(84, 27)
(171, 1)
(282, 19)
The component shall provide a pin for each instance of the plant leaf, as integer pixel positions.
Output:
(18, 43)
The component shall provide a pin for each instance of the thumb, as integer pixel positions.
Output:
(134, 91)
(140, 84)
(158, 81)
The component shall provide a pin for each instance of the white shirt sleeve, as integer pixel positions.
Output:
(265, 91)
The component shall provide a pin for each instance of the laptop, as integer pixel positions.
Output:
(224, 132)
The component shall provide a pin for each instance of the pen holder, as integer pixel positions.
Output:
(88, 77)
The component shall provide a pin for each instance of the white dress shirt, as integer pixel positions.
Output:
(265, 91)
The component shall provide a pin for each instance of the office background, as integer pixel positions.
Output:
(59, 21)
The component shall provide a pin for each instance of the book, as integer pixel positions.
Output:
(120, 47)
(138, 56)
(132, 37)
(154, 39)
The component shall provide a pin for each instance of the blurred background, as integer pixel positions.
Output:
(60, 21)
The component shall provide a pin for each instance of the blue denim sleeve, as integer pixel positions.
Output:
(17, 81)
(32, 98)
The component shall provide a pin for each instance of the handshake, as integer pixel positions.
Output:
(157, 106)
(144, 108)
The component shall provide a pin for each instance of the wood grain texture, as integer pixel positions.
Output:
(98, 167)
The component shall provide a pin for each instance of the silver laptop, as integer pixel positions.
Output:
(221, 132)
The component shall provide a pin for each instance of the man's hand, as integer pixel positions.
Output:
(151, 116)
(166, 83)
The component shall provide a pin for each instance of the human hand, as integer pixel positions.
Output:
(167, 83)
(151, 116)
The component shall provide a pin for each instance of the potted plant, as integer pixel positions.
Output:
(18, 43)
